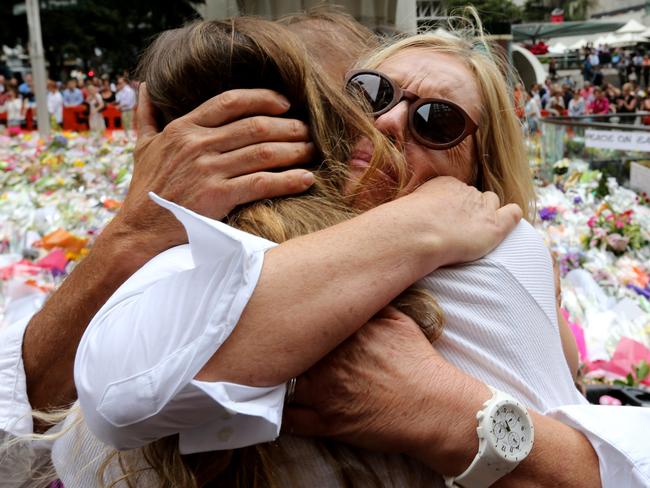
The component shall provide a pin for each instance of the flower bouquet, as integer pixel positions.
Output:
(614, 231)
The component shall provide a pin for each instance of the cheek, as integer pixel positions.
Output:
(462, 161)
(426, 163)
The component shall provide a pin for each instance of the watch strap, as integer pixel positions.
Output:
(479, 474)
(487, 467)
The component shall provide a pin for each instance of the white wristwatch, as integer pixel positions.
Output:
(505, 437)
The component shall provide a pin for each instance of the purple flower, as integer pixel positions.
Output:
(577, 200)
(548, 213)
(641, 291)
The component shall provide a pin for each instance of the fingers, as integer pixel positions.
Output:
(260, 157)
(254, 130)
(304, 422)
(259, 186)
(145, 114)
(508, 217)
(491, 200)
(236, 104)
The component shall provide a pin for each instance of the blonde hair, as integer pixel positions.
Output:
(503, 160)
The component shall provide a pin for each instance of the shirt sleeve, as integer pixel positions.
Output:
(619, 435)
(15, 410)
(136, 363)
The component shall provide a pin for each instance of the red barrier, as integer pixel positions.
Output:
(112, 117)
(29, 123)
(75, 118)
(29, 119)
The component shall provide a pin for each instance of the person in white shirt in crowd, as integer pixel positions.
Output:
(555, 103)
(96, 104)
(159, 154)
(54, 104)
(72, 95)
(14, 107)
(126, 102)
(577, 105)
(533, 113)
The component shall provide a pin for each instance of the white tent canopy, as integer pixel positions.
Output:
(580, 44)
(632, 27)
(633, 32)
(558, 48)
(628, 39)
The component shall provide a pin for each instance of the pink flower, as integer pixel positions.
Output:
(619, 224)
(617, 242)
(592, 221)
(599, 232)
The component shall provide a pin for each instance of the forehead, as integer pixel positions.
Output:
(432, 74)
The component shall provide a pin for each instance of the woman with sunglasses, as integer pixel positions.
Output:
(520, 299)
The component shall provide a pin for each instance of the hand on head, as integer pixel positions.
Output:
(214, 158)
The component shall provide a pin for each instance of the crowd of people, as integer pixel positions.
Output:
(567, 99)
(93, 95)
(631, 65)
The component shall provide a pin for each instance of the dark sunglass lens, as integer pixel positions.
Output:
(438, 122)
(377, 91)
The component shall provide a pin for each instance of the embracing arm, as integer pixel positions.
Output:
(52, 335)
(413, 401)
(561, 455)
(314, 291)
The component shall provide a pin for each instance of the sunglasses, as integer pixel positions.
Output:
(433, 122)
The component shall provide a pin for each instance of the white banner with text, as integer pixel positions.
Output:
(618, 139)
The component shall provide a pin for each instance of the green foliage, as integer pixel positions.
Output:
(602, 191)
(120, 29)
(642, 370)
(640, 373)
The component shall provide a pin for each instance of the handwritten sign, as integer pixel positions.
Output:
(618, 139)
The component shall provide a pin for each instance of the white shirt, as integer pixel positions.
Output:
(14, 109)
(505, 358)
(125, 98)
(55, 105)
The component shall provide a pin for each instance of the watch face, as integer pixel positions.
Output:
(512, 431)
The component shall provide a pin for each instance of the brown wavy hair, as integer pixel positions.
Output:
(185, 67)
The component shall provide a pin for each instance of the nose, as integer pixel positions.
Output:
(394, 122)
